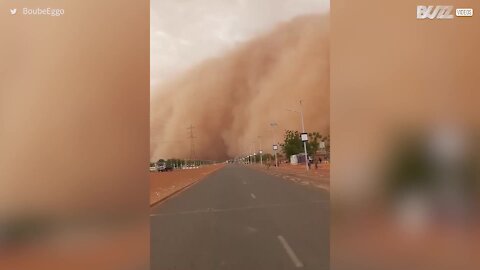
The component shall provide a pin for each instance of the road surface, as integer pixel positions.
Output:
(241, 218)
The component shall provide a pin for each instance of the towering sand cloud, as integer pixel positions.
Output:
(232, 99)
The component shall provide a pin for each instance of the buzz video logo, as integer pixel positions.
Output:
(434, 12)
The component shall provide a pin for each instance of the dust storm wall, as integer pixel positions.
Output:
(232, 99)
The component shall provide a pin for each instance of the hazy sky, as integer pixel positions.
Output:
(185, 32)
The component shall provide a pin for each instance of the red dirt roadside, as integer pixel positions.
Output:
(319, 177)
(165, 184)
(323, 170)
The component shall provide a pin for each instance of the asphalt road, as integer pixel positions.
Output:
(241, 218)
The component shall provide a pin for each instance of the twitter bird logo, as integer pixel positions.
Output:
(13, 11)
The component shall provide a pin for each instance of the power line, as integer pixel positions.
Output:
(192, 142)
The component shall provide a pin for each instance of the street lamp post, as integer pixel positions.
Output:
(254, 152)
(303, 131)
(304, 142)
(275, 146)
(260, 151)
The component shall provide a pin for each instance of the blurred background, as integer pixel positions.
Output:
(74, 136)
(405, 137)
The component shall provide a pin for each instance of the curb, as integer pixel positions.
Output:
(290, 174)
(182, 189)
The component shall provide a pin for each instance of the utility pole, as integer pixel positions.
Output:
(192, 142)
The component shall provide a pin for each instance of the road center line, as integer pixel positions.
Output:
(290, 252)
(253, 196)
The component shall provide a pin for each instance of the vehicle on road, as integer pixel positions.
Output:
(164, 167)
(160, 167)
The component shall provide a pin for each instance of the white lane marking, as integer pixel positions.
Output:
(253, 196)
(290, 252)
